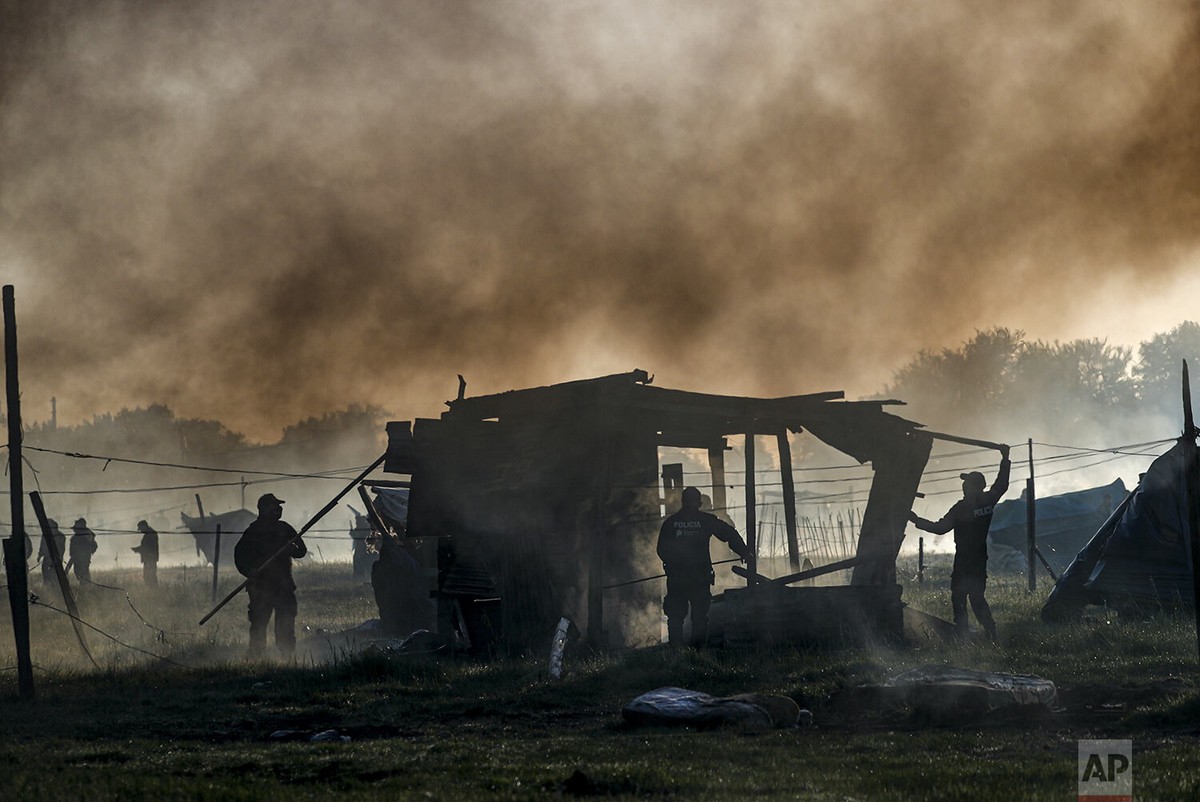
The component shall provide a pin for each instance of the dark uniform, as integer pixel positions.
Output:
(683, 549)
(970, 519)
(273, 589)
(83, 546)
(148, 551)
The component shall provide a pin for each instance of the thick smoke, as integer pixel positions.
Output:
(258, 212)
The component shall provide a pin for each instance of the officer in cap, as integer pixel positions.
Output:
(683, 548)
(83, 546)
(148, 551)
(264, 556)
(970, 519)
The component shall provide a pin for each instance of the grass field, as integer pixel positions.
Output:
(446, 728)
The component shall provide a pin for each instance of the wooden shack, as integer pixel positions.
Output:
(540, 498)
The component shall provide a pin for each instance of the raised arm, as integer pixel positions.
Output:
(1000, 486)
(938, 527)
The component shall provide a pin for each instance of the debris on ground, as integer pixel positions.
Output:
(329, 736)
(948, 694)
(679, 707)
(565, 634)
(324, 736)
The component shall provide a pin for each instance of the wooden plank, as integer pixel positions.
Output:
(789, 499)
(52, 547)
(751, 513)
(800, 576)
(716, 466)
(18, 588)
(1191, 462)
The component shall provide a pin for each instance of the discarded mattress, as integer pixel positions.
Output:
(947, 690)
(678, 707)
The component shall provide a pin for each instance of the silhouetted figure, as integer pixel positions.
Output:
(683, 549)
(83, 546)
(272, 590)
(365, 552)
(148, 551)
(970, 519)
(49, 575)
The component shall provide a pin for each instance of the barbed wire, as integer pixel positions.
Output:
(34, 600)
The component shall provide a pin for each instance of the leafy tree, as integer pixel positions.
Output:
(1159, 368)
(955, 385)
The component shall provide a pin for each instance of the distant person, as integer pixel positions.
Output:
(271, 589)
(706, 505)
(83, 546)
(970, 519)
(49, 575)
(148, 551)
(363, 546)
(683, 549)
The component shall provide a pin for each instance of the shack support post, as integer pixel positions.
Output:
(920, 561)
(216, 563)
(14, 548)
(751, 512)
(1031, 523)
(716, 465)
(1192, 483)
(789, 499)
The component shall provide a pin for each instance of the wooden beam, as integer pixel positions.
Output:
(789, 498)
(16, 570)
(65, 586)
(800, 576)
(1191, 463)
(716, 466)
(751, 512)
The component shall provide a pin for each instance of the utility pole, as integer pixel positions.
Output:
(14, 545)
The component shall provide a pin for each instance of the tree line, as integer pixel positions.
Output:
(1001, 384)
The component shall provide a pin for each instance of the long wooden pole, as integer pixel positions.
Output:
(751, 512)
(14, 551)
(216, 564)
(60, 572)
(288, 546)
(789, 499)
(1192, 484)
(1031, 523)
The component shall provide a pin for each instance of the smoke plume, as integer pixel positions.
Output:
(261, 211)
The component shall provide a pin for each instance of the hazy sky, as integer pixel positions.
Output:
(262, 211)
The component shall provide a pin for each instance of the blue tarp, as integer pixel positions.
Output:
(1065, 523)
(1141, 559)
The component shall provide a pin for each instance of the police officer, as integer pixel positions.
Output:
(683, 549)
(970, 519)
(272, 589)
(83, 546)
(148, 551)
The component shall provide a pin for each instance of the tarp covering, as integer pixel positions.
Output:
(1140, 560)
(680, 707)
(392, 505)
(1065, 523)
(204, 531)
(939, 689)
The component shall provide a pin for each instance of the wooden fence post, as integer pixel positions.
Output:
(16, 566)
